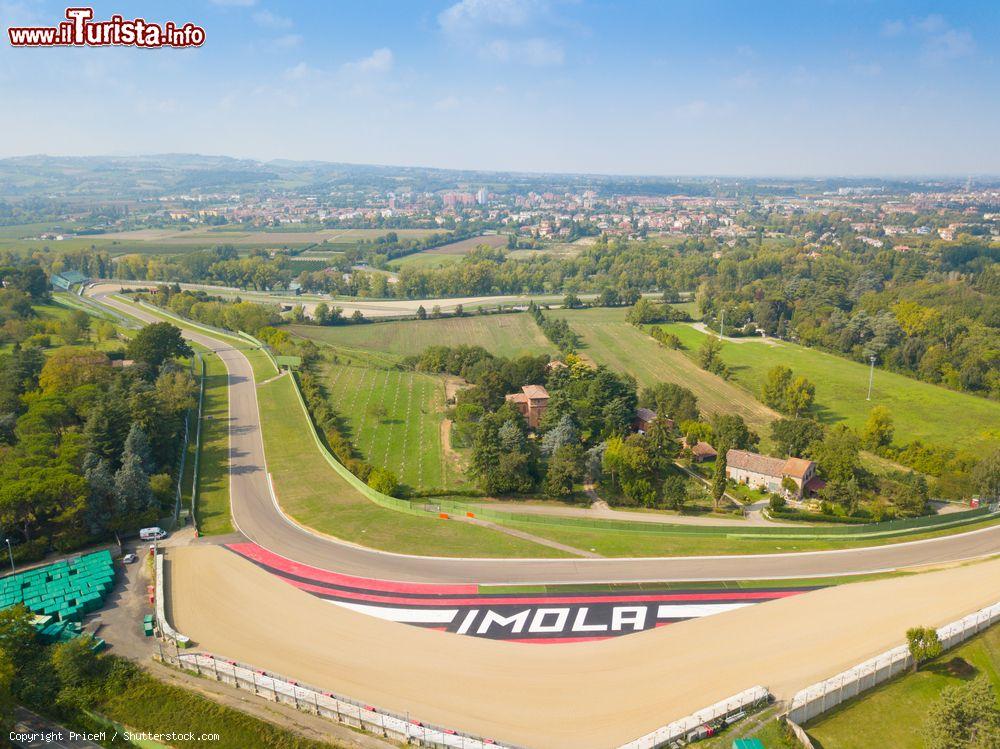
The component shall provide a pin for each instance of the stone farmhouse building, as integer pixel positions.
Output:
(764, 472)
(531, 402)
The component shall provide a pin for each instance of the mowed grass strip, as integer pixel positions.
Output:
(619, 543)
(504, 335)
(212, 506)
(920, 410)
(406, 439)
(894, 713)
(314, 494)
(610, 340)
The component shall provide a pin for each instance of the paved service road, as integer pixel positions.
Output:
(256, 515)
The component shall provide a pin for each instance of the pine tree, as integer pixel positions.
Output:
(719, 479)
(99, 511)
(137, 443)
(132, 491)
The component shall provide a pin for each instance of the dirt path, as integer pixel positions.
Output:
(532, 695)
(702, 328)
(535, 539)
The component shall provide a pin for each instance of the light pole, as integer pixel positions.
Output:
(871, 376)
(11, 552)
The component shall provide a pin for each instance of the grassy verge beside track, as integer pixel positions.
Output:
(312, 493)
(620, 543)
(212, 508)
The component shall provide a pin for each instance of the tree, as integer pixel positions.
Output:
(986, 475)
(133, 494)
(709, 357)
(564, 470)
(100, 500)
(924, 644)
(644, 312)
(794, 436)
(322, 313)
(674, 492)
(70, 367)
(563, 433)
(670, 400)
(572, 301)
(775, 386)
(838, 454)
(800, 396)
(719, 479)
(878, 430)
(7, 699)
(421, 313)
(156, 343)
(136, 443)
(74, 662)
(18, 637)
(965, 716)
(730, 432)
(383, 480)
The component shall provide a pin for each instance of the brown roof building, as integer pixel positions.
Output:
(531, 402)
(767, 473)
(702, 451)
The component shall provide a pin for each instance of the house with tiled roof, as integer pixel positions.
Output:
(767, 473)
(531, 402)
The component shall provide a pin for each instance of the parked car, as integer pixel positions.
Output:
(130, 559)
(152, 534)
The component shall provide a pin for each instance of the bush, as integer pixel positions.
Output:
(776, 503)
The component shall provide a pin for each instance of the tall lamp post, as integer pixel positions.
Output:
(871, 376)
(11, 552)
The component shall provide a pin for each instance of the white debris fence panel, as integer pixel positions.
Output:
(308, 699)
(815, 700)
(680, 729)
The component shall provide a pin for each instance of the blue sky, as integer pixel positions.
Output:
(710, 87)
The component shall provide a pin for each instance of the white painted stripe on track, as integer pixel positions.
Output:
(407, 616)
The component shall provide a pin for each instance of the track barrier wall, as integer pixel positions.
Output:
(311, 700)
(196, 468)
(694, 726)
(826, 695)
(161, 609)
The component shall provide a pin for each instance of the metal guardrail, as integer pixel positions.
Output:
(196, 470)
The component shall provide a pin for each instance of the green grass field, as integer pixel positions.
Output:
(407, 438)
(920, 410)
(609, 340)
(894, 714)
(503, 335)
(212, 507)
(315, 495)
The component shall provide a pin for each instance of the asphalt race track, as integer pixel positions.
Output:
(258, 517)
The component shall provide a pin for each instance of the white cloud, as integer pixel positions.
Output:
(745, 81)
(940, 40)
(269, 20)
(692, 109)
(379, 61)
(468, 16)
(447, 104)
(536, 52)
(299, 72)
(287, 41)
(504, 30)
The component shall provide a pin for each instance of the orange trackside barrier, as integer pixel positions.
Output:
(443, 515)
(470, 514)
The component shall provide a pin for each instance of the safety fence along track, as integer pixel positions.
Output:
(826, 695)
(309, 699)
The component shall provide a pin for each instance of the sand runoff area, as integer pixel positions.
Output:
(593, 694)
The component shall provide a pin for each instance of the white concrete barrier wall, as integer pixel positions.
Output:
(818, 698)
(680, 729)
(341, 709)
(161, 616)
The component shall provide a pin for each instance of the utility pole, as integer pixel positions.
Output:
(722, 325)
(11, 552)
(871, 377)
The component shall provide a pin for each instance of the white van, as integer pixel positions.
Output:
(152, 534)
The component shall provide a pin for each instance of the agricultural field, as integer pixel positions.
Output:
(920, 410)
(609, 340)
(21, 238)
(505, 335)
(314, 494)
(448, 253)
(395, 421)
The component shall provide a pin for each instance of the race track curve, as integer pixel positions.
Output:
(257, 516)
